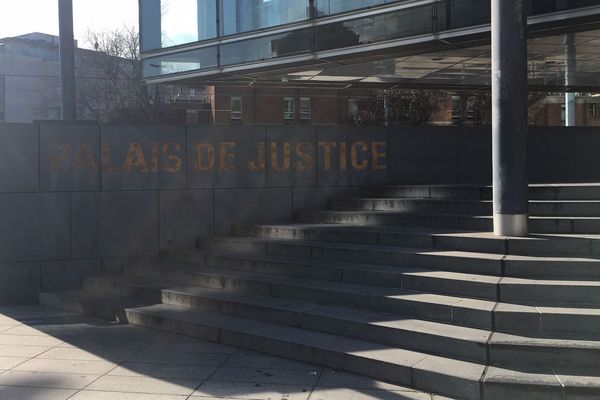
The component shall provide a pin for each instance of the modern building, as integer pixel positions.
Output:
(269, 56)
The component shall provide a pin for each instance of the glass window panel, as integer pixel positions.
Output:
(305, 108)
(330, 7)
(166, 23)
(236, 108)
(375, 28)
(179, 22)
(267, 47)
(288, 108)
(462, 13)
(247, 15)
(181, 62)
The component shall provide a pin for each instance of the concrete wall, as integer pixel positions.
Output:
(77, 198)
(463, 155)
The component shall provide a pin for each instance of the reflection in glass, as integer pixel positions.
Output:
(375, 28)
(329, 7)
(246, 15)
(205, 57)
(462, 13)
(266, 47)
(187, 21)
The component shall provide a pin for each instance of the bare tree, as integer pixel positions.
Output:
(399, 106)
(110, 88)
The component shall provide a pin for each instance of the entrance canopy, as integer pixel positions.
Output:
(393, 43)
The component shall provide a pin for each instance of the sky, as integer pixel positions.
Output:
(24, 16)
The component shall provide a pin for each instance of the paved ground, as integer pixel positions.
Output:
(49, 355)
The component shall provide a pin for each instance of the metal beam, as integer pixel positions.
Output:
(67, 60)
(509, 117)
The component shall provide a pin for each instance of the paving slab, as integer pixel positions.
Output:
(254, 391)
(139, 384)
(46, 380)
(29, 393)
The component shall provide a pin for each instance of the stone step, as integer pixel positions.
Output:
(550, 292)
(577, 191)
(439, 308)
(465, 222)
(514, 290)
(91, 303)
(437, 282)
(446, 376)
(421, 371)
(567, 268)
(565, 351)
(542, 383)
(505, 317)
(481, 242)
(429, 259)
(553, 208)
(481, 192)
(400, 331)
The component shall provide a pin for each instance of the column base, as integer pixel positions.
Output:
(511, 225)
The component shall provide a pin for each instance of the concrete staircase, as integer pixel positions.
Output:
(404, 284)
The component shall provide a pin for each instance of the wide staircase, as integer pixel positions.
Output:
(404, 284)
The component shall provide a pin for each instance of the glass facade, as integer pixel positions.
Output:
(185, 61)
(330, 7)
(239, 16)
(171, 23)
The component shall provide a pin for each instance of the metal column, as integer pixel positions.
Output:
(509, 117)
(67, 59)
(570, 102)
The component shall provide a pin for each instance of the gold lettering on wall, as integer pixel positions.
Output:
(167, 157)
(106, 167)
(175, 165)
(60, 153)
(377, 153)
(135, 158)
(287, 157)
(260, 164)
(343, 157)
(356, 164)
(85, 158)
(306, 161)
(226, 153)
(154, 157)
(327, 154)
(210, 157)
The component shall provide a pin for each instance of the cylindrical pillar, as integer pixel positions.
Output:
(570, 101)
(67, 59)
(509, 117)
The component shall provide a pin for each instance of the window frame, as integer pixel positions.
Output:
(236, 115)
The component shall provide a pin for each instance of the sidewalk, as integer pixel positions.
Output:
(46, 354)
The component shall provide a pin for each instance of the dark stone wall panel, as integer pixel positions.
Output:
(34, 226)
(115, 224)
(237, 206)
(19, 283)
(316, 198)
(424, 154)
(19, 158)
(69, 156)
(184, 216)
(67, 274)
